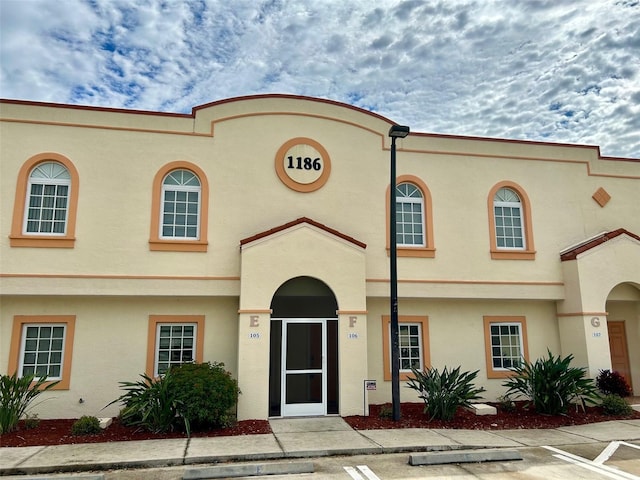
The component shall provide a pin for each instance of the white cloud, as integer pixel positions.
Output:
(533, 69)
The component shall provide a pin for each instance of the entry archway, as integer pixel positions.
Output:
(303, 358)
(623, 328)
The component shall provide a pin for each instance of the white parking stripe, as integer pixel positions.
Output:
(366, 471)
(583, 462)
(353, 473)
(606, 453)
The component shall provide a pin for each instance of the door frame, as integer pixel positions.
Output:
(303, 409)
(621, 325)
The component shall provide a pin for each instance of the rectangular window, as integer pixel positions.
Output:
(413, 343)
(509, 233)
(175, 344)
(180, 217)
(42, 350)
(505, 343)
(47, 211)
(409, 224)
(410, 339)
(173, 340)
(42, 345)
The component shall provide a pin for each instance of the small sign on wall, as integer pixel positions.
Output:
(370, 385)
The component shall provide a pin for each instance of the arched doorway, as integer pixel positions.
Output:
(303, 358)
(623, 328)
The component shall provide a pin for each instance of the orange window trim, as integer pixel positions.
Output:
(19, 321)
(154, 320)
(488, 320)
(429, 250)
(173, 245)
(19, 239)
(529, 253)
(386, 342)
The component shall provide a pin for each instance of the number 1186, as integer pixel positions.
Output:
(306, 163)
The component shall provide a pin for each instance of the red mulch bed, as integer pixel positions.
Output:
(412, 416)
(58, 432)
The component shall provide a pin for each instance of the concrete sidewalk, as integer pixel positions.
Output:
(294, 439)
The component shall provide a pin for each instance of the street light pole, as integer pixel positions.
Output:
(396, 131)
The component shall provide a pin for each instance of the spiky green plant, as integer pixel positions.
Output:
(152, 404)
(551, 384)
(443, 392)
(16, 395)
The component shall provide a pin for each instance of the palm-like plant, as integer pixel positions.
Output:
(16, 394)
(443, 392)
(151, 403)
(551, 384)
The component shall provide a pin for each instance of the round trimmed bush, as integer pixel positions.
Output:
(616, 405)
(207, 393)
(86, 425)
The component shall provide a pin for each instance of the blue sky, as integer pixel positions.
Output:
(553, 70)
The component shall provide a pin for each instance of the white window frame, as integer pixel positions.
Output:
(38, 352)
(47, 177)
(181, 187)
(419, 346)
(158, 346)
(504, 198)
(402, 200)
(502, 346)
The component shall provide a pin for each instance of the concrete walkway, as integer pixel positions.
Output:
(294, 439)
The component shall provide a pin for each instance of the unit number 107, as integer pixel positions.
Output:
(305, 163)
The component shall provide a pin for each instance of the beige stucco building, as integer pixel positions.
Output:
(254, 232)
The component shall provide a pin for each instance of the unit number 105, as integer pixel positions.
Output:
(305, 163)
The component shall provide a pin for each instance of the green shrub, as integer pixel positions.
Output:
(16, 394)
(86, 425)
(506, 404)
(386, 411)
(207, 392)
(152, 404)
(612, 383)
(551, 384)
(31, 421)
(616, 405)
(443, 392)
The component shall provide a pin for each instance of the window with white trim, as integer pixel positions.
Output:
(507, 211)
(506, 345)
(175, 344)
(180, 216)
(410, 342)
(47, 206)
(410, 228)
(42, 350)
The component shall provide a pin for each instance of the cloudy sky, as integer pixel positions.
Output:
(552, 70)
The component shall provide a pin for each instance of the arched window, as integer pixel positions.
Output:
(414, 219)
(44, 212)
(179, 208)
(48, 199)
(507, 212)
(180, 205)
(409, 215)
(510, 223)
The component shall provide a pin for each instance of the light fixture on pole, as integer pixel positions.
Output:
(396, 131)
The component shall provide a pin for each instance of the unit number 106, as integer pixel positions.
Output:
(305, 163)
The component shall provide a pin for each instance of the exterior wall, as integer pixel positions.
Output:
(110, 343)
(111, 279)
(457, 337)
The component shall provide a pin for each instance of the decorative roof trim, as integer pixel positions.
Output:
(300, 221)
(590, 243)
